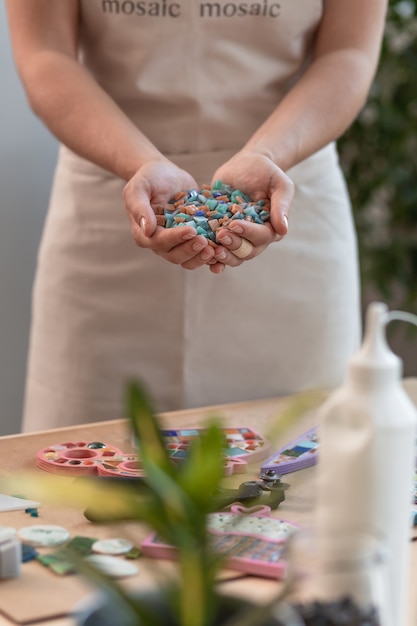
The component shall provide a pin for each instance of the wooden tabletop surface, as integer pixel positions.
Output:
(47, 599)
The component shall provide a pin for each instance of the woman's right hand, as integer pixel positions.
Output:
(153, 185)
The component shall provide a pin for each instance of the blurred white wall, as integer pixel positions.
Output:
(27, 156)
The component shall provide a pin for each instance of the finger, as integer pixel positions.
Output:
(191, 255)
(205, 257)
(281, 200)
(217, 268)
(139, 209)
(138, 235)
(230, 242)
(245, 249)
(259, 235)
(164, 240)
(226, 256)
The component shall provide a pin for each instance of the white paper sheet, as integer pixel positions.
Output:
(11, 503)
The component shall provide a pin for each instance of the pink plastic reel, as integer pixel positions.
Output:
(83, 458)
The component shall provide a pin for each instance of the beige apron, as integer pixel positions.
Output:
(198, 78)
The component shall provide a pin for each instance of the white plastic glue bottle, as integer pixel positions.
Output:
(367, 434)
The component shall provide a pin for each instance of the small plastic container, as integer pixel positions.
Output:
(10, 554)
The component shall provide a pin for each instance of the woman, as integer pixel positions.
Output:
(150, 98)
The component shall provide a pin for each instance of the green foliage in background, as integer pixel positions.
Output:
(379, 158)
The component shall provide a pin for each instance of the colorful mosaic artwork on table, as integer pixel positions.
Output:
(300, 453)
(243, 446)
(251, 540)
(81, 458)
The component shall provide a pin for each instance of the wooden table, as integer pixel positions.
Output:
(42, 597)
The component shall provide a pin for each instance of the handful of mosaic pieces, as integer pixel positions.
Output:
(210, 209)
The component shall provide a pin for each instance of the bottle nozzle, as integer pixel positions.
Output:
(375, 358)
(375, 346)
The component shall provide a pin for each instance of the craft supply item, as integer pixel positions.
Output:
(56, 563)
(114, 546)
(254, 490)
(113, 566)
(83, 458)
(211, 209)
(300, 453)
(127, 466)
(251, 540)
(60, 562)
(134, 553)
(32, 511)
(367, 453)
(243, 446)
(7, 531)
(15, 503)
(10, 553)
(29, 553)
(44, 535)
(244, 250)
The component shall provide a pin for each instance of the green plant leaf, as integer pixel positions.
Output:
(201, 473)
(146, 429)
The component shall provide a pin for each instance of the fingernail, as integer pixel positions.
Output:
(142, 223)
(236, 228)
(285, 221)
(206, 255)
(226, 240)
(198, 245)
(188, 236)
(221, 254)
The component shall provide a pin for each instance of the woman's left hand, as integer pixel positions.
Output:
(258, 176)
